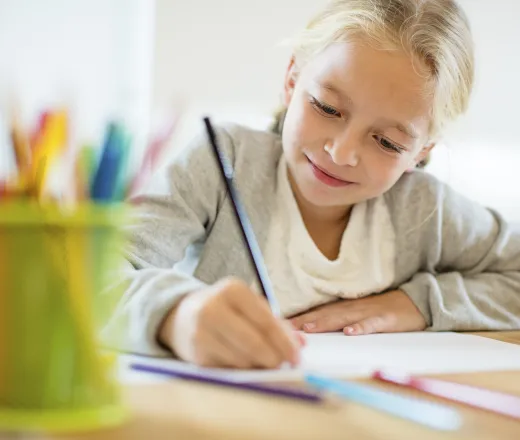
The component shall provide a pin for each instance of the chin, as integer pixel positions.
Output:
(324, 198)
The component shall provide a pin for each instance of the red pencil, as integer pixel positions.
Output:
(35, 136)
(495, 401)
(151, 156)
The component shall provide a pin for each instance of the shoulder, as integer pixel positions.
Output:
(415, 198)
(242, 135)
(421, 203)
(254, 154)
(241, 145)
(417, 187)
(419, 192)
(251, 144)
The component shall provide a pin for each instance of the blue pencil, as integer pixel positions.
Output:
(105, 180)
(420, 411)
(244, 223)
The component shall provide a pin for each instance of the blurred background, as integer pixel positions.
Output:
(138, 59)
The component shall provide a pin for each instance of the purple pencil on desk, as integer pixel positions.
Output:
(307, 396)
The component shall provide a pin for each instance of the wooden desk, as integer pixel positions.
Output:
(178, 410)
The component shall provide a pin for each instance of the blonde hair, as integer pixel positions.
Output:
(434, 32)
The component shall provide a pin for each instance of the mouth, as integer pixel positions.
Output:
(326, 177)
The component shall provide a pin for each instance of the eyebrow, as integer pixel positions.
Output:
(407, 129)
(343, 96)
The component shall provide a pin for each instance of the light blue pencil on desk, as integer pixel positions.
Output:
(430, 414)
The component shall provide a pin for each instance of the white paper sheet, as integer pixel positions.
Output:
(343, 356)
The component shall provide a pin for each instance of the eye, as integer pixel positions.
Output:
(325, 109)
(388, 145)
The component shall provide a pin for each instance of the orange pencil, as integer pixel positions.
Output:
(49, 145)
(20, 146)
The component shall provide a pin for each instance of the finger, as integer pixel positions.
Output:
(312, 315)
(374, 324)
(296, 339)
(298, 321)
(246, 340)
(223, 356)
(331, 322)
(256, 310)
(309, 316)
(302, 340)
(217, 353)
(299, 335)
(333, 317)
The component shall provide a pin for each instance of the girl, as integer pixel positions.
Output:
(352, 241)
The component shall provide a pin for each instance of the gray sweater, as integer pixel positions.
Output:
(457, 261)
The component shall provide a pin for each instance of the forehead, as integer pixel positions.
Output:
(385, 84)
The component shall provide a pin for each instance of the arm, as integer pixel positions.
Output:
(475, 281)
(458, 268)
(179, 213)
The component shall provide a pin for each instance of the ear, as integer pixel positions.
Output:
(290, 82)
(424, 152)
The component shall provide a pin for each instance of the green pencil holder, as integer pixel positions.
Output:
(54, 266)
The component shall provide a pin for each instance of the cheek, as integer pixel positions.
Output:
(301, 127)
(383, 173)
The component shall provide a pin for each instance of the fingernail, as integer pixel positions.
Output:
(309, 327)
(350, 330)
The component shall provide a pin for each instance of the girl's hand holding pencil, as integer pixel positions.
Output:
(228, 325)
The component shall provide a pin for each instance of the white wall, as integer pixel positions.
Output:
(223, 57)
(95, 56)
(481, 157)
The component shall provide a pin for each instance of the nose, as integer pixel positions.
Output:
(343, 149)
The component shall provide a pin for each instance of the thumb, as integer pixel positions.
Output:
(301, 338)
(374, 324)
(298, 334)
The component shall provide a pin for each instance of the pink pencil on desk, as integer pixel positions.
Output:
(495, 401)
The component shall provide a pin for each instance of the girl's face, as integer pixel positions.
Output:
(357, 119)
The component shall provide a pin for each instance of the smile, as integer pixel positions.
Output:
(326, 177)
